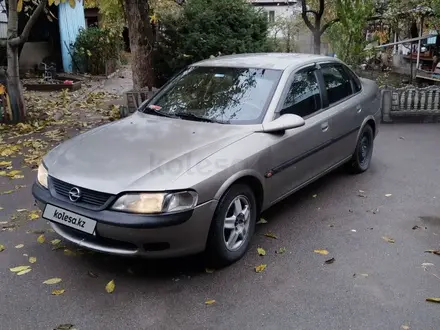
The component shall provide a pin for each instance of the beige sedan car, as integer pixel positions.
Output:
(193, 168)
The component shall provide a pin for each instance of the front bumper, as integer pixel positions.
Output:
(154, 236)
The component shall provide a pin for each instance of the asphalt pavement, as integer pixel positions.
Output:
(372, 283)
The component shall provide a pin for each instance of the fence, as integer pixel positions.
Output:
(410, 101)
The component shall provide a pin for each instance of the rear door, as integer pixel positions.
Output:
(342, 101)
(300, 154)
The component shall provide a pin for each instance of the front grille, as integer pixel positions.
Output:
(89, 197)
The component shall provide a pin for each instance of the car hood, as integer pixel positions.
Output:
(139, 153)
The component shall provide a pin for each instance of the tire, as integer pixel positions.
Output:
(219, 252)
(361, 159)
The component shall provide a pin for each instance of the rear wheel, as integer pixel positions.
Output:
(361, 159)
(232, 227)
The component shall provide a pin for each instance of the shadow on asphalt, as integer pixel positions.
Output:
(192, 266)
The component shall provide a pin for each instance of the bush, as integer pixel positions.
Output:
(207, 28)
(94, 48)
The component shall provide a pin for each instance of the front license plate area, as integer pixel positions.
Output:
(70, 219)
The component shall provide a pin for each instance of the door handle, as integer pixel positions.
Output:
(324, 126)
(358, 109)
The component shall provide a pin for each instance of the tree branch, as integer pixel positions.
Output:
(304, 12)
(314, 12)
(328, 24)
(29, 25)
(321, 8)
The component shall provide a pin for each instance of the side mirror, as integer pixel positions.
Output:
(284, 122)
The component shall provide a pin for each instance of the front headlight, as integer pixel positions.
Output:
(156, 202)
(42, 175)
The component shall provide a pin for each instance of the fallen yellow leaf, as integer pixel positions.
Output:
(110, 287)
(57, 292)
(1, 208)
(388, 239)
(2, 248)
(434, 300)
(261, 251)
(19, 269)
(19, 246)
(21, 210)
(209, 270)
(55, 241)
(34, 215)
(53, 280)
(281, 250)
(7, 192)
(32, 260)
(24, 272)
(388, 195)
(5, 163)
(69, 253)
(260, 268)
(41, 239)
(210, 302)
(323, 252)
(261, 221)
(405, 327)
(270, 235)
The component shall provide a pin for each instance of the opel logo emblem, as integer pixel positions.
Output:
(74, 194)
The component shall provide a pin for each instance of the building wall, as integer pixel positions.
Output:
(71, 20)
(289, 9)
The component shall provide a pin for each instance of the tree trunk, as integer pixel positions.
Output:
(13, 84)
(14, 88)
(317, 42)
(141, 42)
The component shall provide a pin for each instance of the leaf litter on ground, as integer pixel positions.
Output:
(271, 235)
(330, 261)
(280, 250)
(436, 252)
(260, 268)
(210, 302)
(110, 287)
(261, 251)
(323, 252)
(41, 239)
(57, 292)
(51, 281)
(19, 269)
(388, 239)
(261, 221)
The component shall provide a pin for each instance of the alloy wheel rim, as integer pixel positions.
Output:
(236, 223)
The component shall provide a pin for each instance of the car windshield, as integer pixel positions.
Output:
(217, 94)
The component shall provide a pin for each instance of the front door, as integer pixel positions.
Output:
(301, 153)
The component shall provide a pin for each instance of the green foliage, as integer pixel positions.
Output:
(94, 47)
(206, 28)
(346, 36)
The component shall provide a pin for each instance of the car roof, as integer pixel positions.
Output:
(276, 61)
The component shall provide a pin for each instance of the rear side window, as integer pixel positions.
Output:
(337, 83)
(357, 86)
(303, 97)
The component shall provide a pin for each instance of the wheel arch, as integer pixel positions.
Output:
(249, 177)
(369, 120)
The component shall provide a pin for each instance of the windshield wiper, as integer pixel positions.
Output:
(191, 116)
(151, 110)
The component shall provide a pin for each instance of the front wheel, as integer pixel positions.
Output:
(232, 227)
(361, 159)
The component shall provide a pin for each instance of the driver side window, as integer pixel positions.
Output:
(303, 97)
